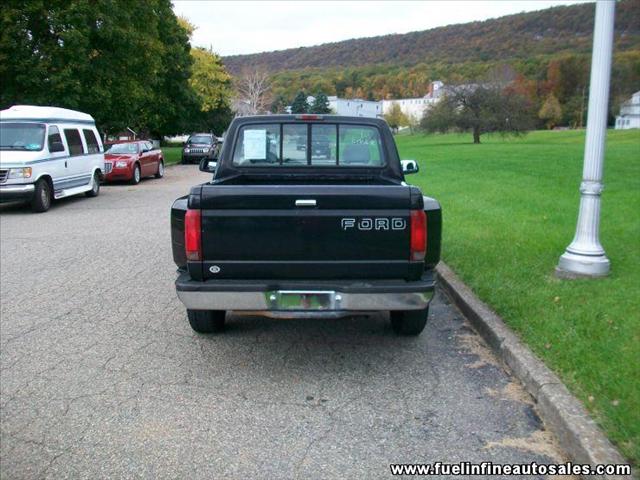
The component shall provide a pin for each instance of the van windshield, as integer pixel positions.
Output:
(21, 136)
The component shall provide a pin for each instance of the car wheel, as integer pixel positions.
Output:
(135, 178)
(160, 172)
(41, 196)
(206, 321)
(95, 188)
(410, 322)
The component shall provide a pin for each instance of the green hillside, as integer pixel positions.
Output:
(557, 30)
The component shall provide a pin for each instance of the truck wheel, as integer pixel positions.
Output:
(41, 196)
(410, 322)
(206, 321)
(135, 178)
(95, 187)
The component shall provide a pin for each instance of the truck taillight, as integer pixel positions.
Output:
(418, 235)
(192, 235)
(307, 116)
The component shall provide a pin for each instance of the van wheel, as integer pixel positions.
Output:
(206, 321)
(135, 178)
(409, 322)
(160, 172)
(95, 187)
(41, 196)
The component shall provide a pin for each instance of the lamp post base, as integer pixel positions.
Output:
(572, 265)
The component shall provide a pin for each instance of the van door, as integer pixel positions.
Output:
(57, 161)
(95, 156)
(78, 166)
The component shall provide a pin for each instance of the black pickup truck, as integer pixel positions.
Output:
(328, 230)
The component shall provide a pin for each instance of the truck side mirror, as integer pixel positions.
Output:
(409, 166)
(207, 166)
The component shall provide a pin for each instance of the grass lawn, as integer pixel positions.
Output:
(171, 155)
(510, 208)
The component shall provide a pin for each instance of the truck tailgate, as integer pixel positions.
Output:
(305, 231)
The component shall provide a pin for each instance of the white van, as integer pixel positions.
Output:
(48, 153)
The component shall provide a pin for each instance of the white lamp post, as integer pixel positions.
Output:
(585, 257)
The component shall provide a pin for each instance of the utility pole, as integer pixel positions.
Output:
(585, 257)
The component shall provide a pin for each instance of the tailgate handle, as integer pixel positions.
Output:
(305, 203)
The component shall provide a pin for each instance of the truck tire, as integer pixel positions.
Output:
(410, 322)
(206, 321)
(41, 200)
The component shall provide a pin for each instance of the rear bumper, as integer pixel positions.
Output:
(12, 193)
(305, 295)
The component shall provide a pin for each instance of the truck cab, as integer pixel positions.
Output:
(331, 229)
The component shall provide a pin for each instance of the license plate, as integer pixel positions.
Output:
(301, 300)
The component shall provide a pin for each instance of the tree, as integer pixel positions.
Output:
(212, 85)
(88, 56)
(253, 88)
(480, 109)
(395, 117)
(320, 104)
(551, 112)
(279, 104)
(300, 104)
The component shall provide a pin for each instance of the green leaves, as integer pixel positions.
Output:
(128, 64)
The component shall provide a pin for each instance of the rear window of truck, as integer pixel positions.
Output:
(308, 144)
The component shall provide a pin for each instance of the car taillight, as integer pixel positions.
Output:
(192, 235)
(418, 235)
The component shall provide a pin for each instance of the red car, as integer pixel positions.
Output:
(133, 160)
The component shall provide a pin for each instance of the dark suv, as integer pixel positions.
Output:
(199, 146)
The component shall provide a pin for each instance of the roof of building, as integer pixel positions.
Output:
(44, 114)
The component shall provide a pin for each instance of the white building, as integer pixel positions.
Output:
(355, 107)
(629, 113)
(414, 107)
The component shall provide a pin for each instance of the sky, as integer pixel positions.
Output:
(237, 27)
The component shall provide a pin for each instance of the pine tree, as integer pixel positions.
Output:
(300, 104)
(320, 105)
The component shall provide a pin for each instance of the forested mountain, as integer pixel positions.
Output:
(546, 54)
(557, 30)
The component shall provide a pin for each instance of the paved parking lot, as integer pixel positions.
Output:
(101, 375)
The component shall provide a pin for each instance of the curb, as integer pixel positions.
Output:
(578, 434)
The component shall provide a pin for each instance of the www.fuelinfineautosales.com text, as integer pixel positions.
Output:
(488, 468)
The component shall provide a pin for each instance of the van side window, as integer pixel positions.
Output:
(54, 136)
(73, 140)
(91, 141)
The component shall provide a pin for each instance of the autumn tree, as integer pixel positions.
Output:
(320, 104)
(300, 104)
(480, 109)
(279, 104)
(253, 91)
(550, 112)
(395, 117)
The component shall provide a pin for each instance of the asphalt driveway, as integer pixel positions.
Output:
(101, 375)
